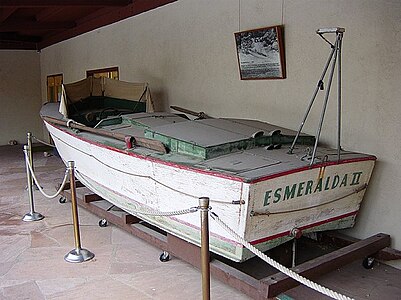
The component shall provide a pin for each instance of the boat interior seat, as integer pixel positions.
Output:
(91, 110)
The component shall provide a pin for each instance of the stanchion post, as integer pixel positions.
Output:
(29, 138)
(32, 215)
(30, 156)
(78, 254)
(205, 256)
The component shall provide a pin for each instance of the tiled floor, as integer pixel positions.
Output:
(125, 267)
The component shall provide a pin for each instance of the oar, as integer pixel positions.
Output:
(129, 140)
(200, 115)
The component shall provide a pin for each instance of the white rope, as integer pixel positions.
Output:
(149, 211)
(37, 183)
(281, 268)
(43, 142)
(152, 212)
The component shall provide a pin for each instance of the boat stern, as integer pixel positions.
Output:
(311, 199)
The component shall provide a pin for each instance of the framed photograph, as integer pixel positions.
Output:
(261, 53)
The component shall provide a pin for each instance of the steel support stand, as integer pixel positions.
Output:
(78, 254)
(205, 255)
(32, 215)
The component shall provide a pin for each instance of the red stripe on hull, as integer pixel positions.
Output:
(156, 160)
(287, 233)
(332, 163)
(219, 174)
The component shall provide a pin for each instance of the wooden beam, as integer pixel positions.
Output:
(102, 18)
(87, 198)
(12, 40)
(342, 240)
(29, 25)
(236, 279)
(78, 184)
(47, 13)
(130, 219)
(280, 282)
(15, 37)
(6, 12)
(60, 3)
(17, 45)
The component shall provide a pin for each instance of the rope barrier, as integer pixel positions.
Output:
(151, 212)
(257, 252)
(281, 268)
(43, 142)
(37, 183)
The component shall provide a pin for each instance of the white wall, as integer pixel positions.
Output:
(186, 51)
(20, 95)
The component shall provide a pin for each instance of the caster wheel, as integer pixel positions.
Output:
(62, 200)
(368, 262)
(165, 256)
(103, 223)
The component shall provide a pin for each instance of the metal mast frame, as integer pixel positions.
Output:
(333, 59)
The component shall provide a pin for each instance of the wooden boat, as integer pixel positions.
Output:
(139, 159)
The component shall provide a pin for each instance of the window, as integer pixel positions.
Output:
(107, 72)
(54, 83)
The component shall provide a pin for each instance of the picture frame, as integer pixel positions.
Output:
(260, 53)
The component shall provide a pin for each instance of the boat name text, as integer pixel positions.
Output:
(310, 187)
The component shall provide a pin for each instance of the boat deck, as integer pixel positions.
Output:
(245, 149)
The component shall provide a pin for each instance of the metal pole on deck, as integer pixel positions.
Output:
(205, 256)
(339, 62)
(32, 215)
(78, 254)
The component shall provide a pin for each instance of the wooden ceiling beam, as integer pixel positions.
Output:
(17, 45)
(16, 41)
(6, 12)
(47, 13)
(13, 37)
(61, 3)
(102, 18)
(30, 25)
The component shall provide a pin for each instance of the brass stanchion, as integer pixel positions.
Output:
(29, 138)
(205, 256)
(30, 156)
(78, 254)
(32, 215)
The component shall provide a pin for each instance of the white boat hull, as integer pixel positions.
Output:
(265, 211)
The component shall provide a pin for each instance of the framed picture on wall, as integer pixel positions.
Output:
(260, 53)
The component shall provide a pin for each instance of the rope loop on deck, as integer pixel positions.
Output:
(37, 182)
(281, 268)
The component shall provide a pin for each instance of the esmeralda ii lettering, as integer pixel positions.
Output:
(309, 187)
